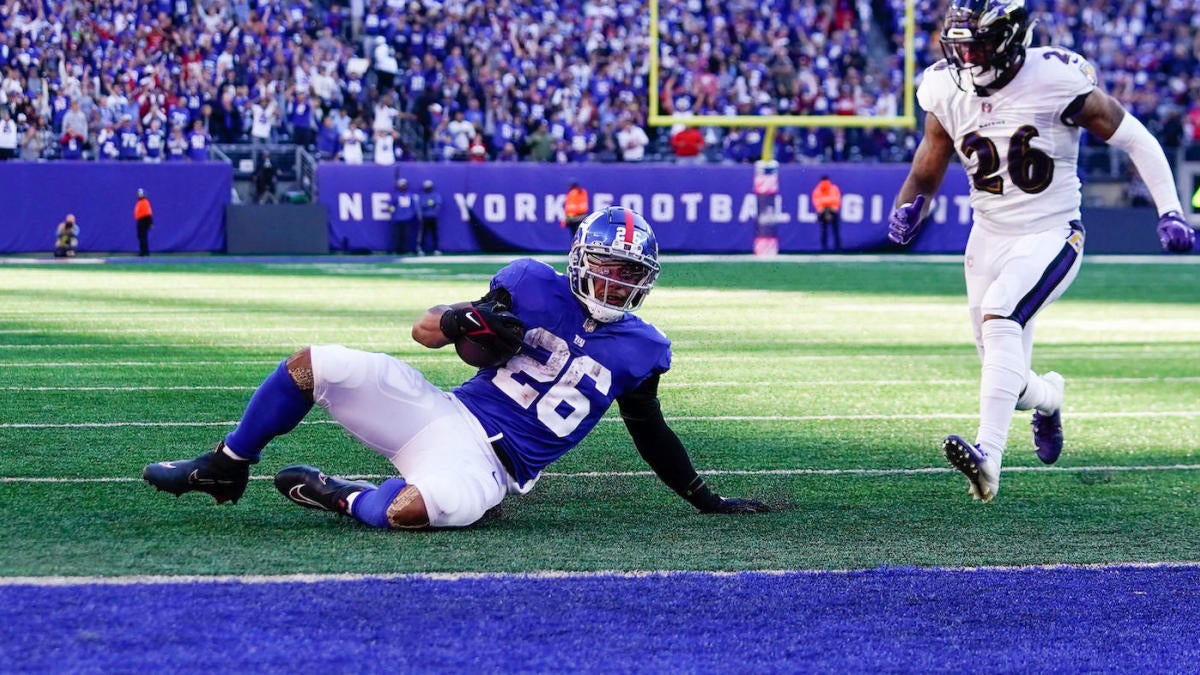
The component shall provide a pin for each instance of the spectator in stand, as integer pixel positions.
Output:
(129, 141)
(329, 142)
(688, 143)
(75, 122)
(107, 143)
(177, 145)
(508, 153)
(385, 147)
(33, 141)
(154, 141)
(632, 141)
(198, 142)
(71, 145)
(478, 151)
(264, 116)
(461, 132)
(540, 144)
(301, 119)
(8, 135)
(352, 144)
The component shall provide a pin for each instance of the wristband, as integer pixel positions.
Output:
(449, 325)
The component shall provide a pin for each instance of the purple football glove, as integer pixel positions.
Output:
(905, 221)
(1174, 233)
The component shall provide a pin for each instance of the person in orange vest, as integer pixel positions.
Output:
(827, 200)
(144, 215)
(575, 208)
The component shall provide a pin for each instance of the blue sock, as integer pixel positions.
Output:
(370, 506)
(275, 409)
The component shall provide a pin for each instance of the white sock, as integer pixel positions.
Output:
(1002, 378)
(1036, 394)
(230, 453)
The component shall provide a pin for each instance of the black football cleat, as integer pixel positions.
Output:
(308, 487)
(214, 472)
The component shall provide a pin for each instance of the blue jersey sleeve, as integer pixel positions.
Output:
(545, 400)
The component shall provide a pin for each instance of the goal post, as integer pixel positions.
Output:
(766, 169)
(905, 120)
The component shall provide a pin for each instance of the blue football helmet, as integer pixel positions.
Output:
(984, 42)
(613, 263)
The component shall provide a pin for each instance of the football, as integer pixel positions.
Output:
(480, 355)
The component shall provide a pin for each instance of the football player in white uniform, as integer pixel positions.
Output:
(1014, 116)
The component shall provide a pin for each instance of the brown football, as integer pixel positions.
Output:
(479, 355)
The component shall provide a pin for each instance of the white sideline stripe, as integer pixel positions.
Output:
(679, 418)
(707, 472)
(665, 385)
(550, 575)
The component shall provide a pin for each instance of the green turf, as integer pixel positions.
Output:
(823, 388)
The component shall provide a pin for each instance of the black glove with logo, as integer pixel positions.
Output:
(485, 334)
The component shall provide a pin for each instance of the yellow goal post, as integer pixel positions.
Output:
(770, 123)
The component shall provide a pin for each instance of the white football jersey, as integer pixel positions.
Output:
(1019, 153)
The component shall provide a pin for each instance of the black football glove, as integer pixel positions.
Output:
(487, 323)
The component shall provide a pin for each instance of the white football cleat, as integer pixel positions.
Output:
(981, 469)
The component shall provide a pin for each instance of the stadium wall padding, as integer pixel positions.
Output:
(188, 199)
(693, 208)
(296, 229)
(493, 207)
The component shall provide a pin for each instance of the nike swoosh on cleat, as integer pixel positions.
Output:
(295, 494)
(195, 479)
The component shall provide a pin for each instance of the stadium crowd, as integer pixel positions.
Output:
(547, 81)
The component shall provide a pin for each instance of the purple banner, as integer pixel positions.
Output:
(694, 209)
(188, 199)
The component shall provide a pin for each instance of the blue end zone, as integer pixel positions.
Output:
(1029, 620)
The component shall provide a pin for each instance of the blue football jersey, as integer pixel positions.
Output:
(546, 399)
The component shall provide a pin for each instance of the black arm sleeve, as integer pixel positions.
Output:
(660, 447)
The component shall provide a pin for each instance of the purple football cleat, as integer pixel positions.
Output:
(1047, 429)
(1048, 436)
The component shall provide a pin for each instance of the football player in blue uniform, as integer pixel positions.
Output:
(459, 453)
(1014, 116)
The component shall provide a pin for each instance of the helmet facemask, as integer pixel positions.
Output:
(611, 273)
(984, 42)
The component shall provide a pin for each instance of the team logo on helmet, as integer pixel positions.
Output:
(613, 263)
(984, 42)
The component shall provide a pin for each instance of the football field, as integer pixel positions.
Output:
(821, 386)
